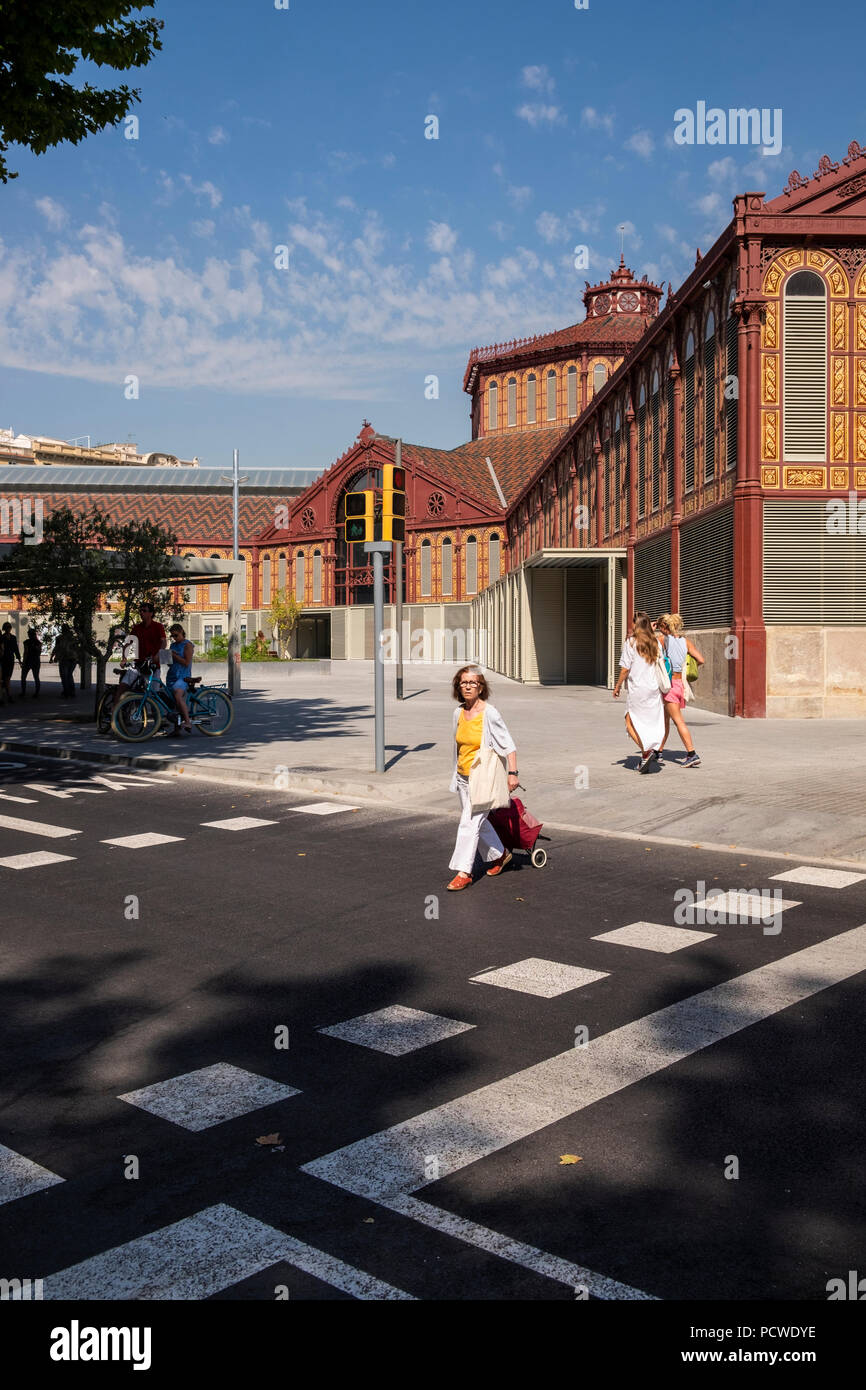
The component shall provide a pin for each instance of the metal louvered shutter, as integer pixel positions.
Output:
(617, 481)
(710, 408)
(707, 570)
(810, 575)
(804, 379)
(656, 470)
(669, 442)
(732, 391)
(652, 576)
(689, 433)
(641, 460)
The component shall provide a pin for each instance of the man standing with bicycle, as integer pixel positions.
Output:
(150, 639)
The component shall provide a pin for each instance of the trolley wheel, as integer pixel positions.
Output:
(539, 858)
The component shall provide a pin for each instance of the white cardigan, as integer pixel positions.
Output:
(494, 734)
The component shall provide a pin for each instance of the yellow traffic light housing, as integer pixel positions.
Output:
(360, 520)
(393, 503)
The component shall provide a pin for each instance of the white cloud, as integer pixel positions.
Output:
(52, 211)
(348, 203)
(205, 228)
(519, 196)
(388, 161)
(710, 205)
(441, 238)
(722, 170)
(203, 190)
(537, 114)
(538, 79)
(549, 227)
(500, 231)
(630, 232)
(588, 220)
(218, 136)
(595, 120)
(641, 142)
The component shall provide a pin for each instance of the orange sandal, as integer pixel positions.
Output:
(459, 881)
(499, 864)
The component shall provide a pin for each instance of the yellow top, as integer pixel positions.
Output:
(468, 741)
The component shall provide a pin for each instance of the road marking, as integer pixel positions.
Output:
(200, 1099)
(35, 860)
(20, 1176)
(396, 1160)
(653, 936)
(61, 793)
(820, 878)
(199, 1256)
(545, 978)
(323, 808)
(24, 800)
(36, 827)
(551, 1266)
(143, 841)
(396, 1030)
(237, 823)
(753, 907)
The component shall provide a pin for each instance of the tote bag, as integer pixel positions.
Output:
(488, 782)
(664, 680)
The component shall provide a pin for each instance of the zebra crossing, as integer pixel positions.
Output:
(218, 1246)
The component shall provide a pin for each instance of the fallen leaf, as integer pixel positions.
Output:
(369, 1220)
(568, 1158)
(520, 900)
(268, 1139)
(302, 854)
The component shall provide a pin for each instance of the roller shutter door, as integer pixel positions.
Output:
(652, 576)
(810, 575)
(707, 570)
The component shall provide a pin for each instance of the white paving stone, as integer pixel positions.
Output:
(199, 1099)
(35, 860)
(820, 878)
(323, 808)
(653, 936)
(237, 823)
(144, 841)
(20, 1176)
(546, 978)
(396, 1030)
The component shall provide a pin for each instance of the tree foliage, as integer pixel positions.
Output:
(42, 43)
(84, 558)
(283, 615)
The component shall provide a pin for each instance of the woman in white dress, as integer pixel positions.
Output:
(645, 715)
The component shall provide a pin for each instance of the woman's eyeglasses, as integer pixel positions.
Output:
(469, 684)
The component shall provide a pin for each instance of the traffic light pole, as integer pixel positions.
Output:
(378, 549)
(398, 586)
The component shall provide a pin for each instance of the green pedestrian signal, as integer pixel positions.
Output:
(359, 517)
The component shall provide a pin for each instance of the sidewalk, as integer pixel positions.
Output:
(783, 786)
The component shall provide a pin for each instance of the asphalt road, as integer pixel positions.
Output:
(713, 1150)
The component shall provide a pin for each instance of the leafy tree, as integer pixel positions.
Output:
(84, 558)
(283, 615)
(41, 43)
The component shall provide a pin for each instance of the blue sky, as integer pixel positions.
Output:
(305, 128)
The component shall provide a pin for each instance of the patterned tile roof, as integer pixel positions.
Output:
(195, 520)
(515, 458)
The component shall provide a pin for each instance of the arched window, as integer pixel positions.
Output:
(804, 368)
(655, 447)
(317, 576)
(572, 392)
(599, 377)
(266, 579)
(512, 400)
(281, 573)
(731, 384)
(551, 394)
(216, 591)
(447, 566)
(492, 406)
(426, 569)
(300, 565)
(530, 398)
(494, 560)
(472, 566)
(689, 420)
(641, 452)
(710, 399)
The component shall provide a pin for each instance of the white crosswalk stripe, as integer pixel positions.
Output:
(36, 860)
(237, 823)
(654, 936)
(35, 827)
(819, 877)
(211, 1095)
(144, 841)
(323, 808)
(20, 1176)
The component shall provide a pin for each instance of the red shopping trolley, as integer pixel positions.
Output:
(517, 828)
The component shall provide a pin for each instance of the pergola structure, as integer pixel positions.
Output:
(184, 570)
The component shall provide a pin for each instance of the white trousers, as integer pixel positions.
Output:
(472, 832)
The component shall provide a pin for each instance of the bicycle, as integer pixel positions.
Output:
(140, 715)
(105, 708)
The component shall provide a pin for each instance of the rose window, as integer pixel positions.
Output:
(308, 519)
(629, 302)
(436, 503)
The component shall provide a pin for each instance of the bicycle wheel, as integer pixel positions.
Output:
(104, 711)
(211, 711)
(136, 717)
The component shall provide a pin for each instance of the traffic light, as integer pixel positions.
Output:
(359, 517)
(393, 503)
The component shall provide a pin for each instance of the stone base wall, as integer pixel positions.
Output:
(816, 672)
(711, 688)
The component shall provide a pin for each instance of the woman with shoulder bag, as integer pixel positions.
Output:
(477, 725)
(678, 649)
(639, 665)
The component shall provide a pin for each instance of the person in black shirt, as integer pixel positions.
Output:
(9, 654)
(31, 662)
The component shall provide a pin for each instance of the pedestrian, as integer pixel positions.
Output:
(644, 718)
(67, 656)
(31, 662)
(181, 666)
(9, 654)
(150, 641)
(678, 649)
(477, 724)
